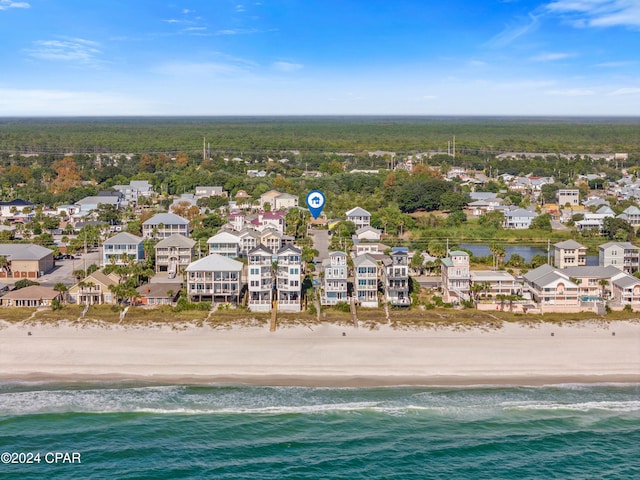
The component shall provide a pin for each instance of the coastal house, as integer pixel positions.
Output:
(207, 191)
(366, 280)
(456, 280)
(214, 278)
(163, 225)
(17, 205)
(518, 218)
(135, 190)
(625, 290)
(359, 216)
(260, 279)
(632, 215)
(549, 286)
(225, 243)
(249, 239)
(174, 254)
(156, 294)
(568, 196)
(335, 278)
(122, 248)
(594, 283)
(494, 283)
(395, 277)
(93, 290)
(569, 254)
(278, 200)
(32, 296)
(88, 204)
(623, 255)
(368, 234)
(371, 248)
(25, 260)
(289, 279)
(274, 240)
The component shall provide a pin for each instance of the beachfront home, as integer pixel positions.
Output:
(93, 290)
(455, 277)
(225, 243)
(25, 260)
(569, 254)
(625, 290)
(335, 278)
(395, 277)
(289, 278)
(594, 283)
(174, 253)
(493, 284)
(214, 278)
(122, 248)
(155, 294)
(548, 286)
(360, 217)
(260, 280)
(622, 255)
(32, 296)
(163, 225)
(366, 280)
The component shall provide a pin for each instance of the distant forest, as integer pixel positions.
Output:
(254, 136)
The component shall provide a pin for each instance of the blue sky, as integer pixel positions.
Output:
(313, 57)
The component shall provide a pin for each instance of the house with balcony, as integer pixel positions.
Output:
(360, 217)
(93, 290)
(225, 243)
(122, 249)
(551, 287)
(625, 290)
(274, 240)
(494, 283)
(174, 254)
(569, 254)
(135, 190)
(395, 277)
(568, 196)
(163, 225)
(518, 218)
(260, 279)
(632, 215)
(623, 255)
(594, 283)
(214, 278)
(289, 279)
(366, 277)
(456, 280)
(249, 239)
(335, 278)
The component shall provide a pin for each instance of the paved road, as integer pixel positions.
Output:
(63, 271)
(321, 243)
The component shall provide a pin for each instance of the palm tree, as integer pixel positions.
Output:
(603, 283)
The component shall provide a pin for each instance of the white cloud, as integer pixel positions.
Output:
(572, 92)
(240, 8)
(625, 91)
(237, 31)
(513, 32)
(598, 13)
(286, 66)
(615, 64)
(7, 4)
(69, 50)
(551, 57)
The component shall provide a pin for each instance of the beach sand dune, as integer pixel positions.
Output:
(324, 355)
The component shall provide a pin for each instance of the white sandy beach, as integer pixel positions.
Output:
(323, 356)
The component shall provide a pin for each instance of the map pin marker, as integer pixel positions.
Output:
(315, 202)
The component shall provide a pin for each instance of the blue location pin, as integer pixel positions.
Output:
(315, 202)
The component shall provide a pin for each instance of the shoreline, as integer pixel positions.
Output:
(324, 356)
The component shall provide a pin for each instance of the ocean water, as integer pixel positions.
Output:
(248, 432)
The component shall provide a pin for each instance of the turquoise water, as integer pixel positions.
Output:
(238, 432)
